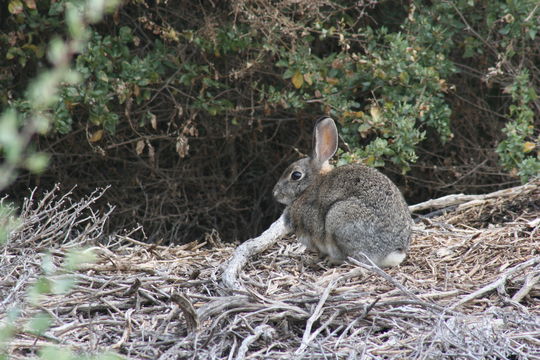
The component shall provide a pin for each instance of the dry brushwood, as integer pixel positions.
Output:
(59, 220)
(467, 290)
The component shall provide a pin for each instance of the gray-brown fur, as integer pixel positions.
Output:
(347, 211)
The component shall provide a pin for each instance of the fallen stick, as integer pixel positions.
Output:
(462, 200)
(497, 283)
(266, 331)
(250, 248)
(308, 337)
(377, 270)
(530, 281)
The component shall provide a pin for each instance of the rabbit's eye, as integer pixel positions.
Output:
(296, 175)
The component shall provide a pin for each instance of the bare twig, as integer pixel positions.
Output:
(307, 337)
(501, 280)
(531, 280)
(265, 331)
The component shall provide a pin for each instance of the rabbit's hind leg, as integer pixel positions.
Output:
(332, 250)
(355, 231)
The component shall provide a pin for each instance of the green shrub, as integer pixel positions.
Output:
(204, 103)
(31, 111)
(385, 87)
(504, 34)
(517, 150)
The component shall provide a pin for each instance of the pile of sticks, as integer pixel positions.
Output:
(468, 289)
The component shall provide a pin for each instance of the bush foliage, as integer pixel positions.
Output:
(187, 108)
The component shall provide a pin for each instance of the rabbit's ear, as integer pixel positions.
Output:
(326, 140)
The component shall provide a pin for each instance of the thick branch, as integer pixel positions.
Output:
(464, 200)
(250, 248)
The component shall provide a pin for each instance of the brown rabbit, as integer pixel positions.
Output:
(352, 210)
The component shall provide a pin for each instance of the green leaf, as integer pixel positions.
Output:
(47, 264)
(63, 285)
(8, 221)
(74, 20)
(9, 135)
(288, 73)
(97, 8)
(404, 77)
(14, 52)
(13, 314)
(106, 356)
(37, 162)
(41, 287)
(102, 76)
(15, 7)
(3, 235)
(42, 92)
(72, 77)
(41, 121)
(57, 51)
(39, 324)
(6, 332)
(77, 257)
(125, 33)
(505, 30)
(55, 353)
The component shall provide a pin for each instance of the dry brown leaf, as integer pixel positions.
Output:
(528, 146)
(376, 113)
(308, 79)
(95, 137)
(153, 121)
(182, 146)
(31, 4)
(151, 153)
(140, 147)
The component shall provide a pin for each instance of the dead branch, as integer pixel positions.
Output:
(470, 200)
(497, 283)
(308, 337)
(377, 270)
(60, 219)
(531, 280)
(265, 331)
(250, 248)
(190, 315)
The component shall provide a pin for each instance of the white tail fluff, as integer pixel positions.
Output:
(393, 259)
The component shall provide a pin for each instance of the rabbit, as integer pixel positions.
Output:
(347, 211)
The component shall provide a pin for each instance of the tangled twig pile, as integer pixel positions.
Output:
(468, 289)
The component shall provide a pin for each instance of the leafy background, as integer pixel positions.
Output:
(192, 109)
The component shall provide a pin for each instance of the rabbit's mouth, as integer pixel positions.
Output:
(281, 198)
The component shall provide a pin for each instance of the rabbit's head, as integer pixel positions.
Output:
(302, 173)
